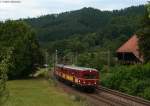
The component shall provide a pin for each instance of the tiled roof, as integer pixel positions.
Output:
(131, 46)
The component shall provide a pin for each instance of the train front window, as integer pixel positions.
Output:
(89, 76)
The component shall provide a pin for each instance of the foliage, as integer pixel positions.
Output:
(4, 65)
(144, 37)
(96, 60)
(3, 79)
(86, 20)
(85, 29)
(88, 31)
(25, 49)
(133, 80)
(148, 9)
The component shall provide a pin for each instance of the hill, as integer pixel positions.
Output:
(87, 30)
(52, 27)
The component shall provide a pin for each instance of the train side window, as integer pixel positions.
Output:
(89, 76)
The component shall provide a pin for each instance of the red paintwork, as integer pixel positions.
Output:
(77, 75)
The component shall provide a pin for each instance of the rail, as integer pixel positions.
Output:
(126, 96)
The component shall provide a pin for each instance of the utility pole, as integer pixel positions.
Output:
(76, 58)
(107, 53)
(56, 57)
(108, 59)
(46, 61)
(55, 61)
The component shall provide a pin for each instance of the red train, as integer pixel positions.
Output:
(86, 78)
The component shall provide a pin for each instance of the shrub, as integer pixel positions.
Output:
(3, 79)
(134, 80)
(146, 93)
(25, 50)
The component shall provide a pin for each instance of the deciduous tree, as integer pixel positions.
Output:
(20, 37)
(144, 35)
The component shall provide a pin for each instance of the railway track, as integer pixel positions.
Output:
(121, 98)
(107, 97)
(106, 101)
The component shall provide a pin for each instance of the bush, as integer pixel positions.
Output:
(25, 49)
(134, 80)
(3, 79)
(146, 93)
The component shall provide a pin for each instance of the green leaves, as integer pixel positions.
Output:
(25, 48)
(62, 26)
(144, 35)
(148, 9)
(19, 51)
(4, 66)
(134, 80)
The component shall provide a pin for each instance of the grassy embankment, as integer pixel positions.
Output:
(38, 92)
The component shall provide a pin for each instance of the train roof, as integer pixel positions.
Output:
(76, 67)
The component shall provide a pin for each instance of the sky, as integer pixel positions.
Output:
(15, 9)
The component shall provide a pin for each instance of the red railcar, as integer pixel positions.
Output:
(82, 77)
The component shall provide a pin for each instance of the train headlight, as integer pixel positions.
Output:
(95, 82)
(78, 81)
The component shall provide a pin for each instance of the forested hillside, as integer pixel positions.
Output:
(86, 20)
(87, 30)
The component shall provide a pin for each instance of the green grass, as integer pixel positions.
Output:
(37, 93)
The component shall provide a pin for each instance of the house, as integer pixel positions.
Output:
(129, 52)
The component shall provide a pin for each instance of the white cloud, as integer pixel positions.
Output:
(19, 10)
(69, 1)
(33, 8)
